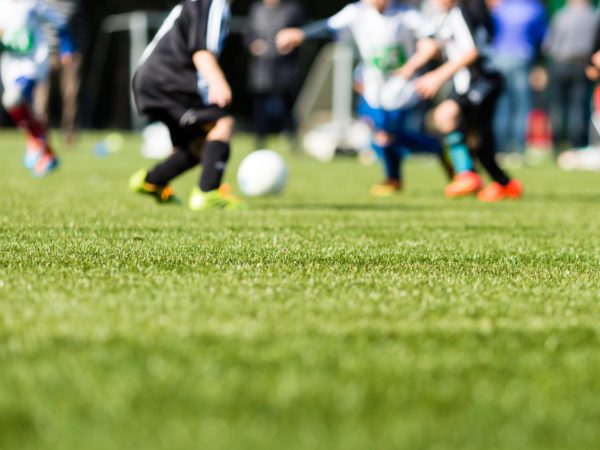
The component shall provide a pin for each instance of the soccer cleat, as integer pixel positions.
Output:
(162, 194)
(466, 183)
(218, 199)
(33, 153)
(46, 164)
(495, 192)
(386, 189)
(514, 189)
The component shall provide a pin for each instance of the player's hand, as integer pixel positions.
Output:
(429, 85)
(592, 73)
(596, 60)
(259, 47)
(288, 39)
(220, 94)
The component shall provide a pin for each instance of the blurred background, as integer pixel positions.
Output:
(111, 35)
(106, 65)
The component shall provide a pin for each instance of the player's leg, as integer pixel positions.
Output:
(390, 155)
(448, 118)
(502, 185)
(210, 192)
(17, 100)
(384, 125)
(179, 162)
(215, 155)
(388, 146)
(187, 145)
(70, 82)
(422, 143)
(156, 181)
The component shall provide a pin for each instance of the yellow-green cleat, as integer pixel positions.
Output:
(218, 199)
(162, 194)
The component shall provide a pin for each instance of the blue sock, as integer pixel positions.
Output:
(459, 152)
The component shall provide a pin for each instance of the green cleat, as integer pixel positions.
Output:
(162, 194)
(219, 199)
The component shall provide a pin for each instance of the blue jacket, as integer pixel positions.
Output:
(520, 26)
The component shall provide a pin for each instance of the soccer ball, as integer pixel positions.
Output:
(262, 173)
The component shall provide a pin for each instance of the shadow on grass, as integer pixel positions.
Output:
(567, 197)
(367, 207)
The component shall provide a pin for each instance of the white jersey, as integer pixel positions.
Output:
(458, 33)
(384, 40)
(27, 16)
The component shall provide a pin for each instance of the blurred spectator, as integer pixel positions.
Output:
(520, 26)
(568, 44)
(273, 78)
(68, 75)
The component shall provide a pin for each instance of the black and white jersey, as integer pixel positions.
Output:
(166, 73)
(459, 32)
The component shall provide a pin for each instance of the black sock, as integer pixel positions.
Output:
(487, 154)
(176, 164)
(214, 161)
(488, 161)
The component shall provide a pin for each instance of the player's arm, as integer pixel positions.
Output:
(208, 26)
(429, 84)
(427, 50)
(290, 38)
(219, 91)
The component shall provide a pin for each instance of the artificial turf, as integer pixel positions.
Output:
(322, 319)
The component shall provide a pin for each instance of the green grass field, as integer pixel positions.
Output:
(323, 319)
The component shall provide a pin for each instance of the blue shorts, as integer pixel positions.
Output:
(395, 123)
(381, 120)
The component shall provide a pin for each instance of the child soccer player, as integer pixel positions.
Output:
(384, 32)
(471, 106)
(179, 82)
(24, 63)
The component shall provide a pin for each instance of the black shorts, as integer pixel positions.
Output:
(479, 103)
(185, 126)
(184, 114)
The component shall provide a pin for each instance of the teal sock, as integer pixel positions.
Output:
(459, 152)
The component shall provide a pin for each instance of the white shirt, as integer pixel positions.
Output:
(27, 15)
(384, 40)
(452, 31)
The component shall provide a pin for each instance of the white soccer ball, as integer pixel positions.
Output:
(262, 173)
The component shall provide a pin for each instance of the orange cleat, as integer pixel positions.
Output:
(47, 164)
(466, 183)
(514, 189)
(495, 192)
